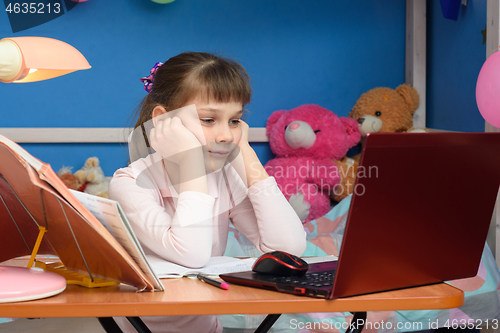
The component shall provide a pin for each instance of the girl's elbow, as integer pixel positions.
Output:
(195, 258)
(297, 242)
(196, 262)
(298, 247)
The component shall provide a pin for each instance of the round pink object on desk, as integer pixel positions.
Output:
(24, 284)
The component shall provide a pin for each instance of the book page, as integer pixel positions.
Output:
(216, 265)
(110, 214)
(34, 162)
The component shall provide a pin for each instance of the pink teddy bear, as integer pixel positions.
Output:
(306, 140)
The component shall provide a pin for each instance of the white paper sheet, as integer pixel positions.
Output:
(216, 265)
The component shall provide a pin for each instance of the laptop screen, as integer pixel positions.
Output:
(420, 212)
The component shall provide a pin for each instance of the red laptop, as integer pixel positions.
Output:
(420, 215)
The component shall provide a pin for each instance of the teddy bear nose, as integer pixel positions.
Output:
(361, 120)
(294, 126)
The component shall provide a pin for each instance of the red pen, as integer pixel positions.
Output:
(222, 285)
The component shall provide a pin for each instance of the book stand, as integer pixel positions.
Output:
(43, 280)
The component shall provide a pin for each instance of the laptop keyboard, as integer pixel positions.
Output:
(321, 279)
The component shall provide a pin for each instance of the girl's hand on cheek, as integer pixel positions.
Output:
(244, 134)
(174, 141)
(243, 144)
(249, 166)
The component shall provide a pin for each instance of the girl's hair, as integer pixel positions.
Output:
(190, 74)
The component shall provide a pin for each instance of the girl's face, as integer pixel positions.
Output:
(220, 123)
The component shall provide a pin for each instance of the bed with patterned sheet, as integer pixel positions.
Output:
(324, 237)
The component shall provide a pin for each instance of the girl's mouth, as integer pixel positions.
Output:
(220, 153)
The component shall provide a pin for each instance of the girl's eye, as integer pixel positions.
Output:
(235, 122)
(207, 121)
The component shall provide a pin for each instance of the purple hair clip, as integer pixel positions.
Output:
(148, 80)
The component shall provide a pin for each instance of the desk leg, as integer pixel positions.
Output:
(109, 325)
(357, 322)
(138, 324)
(267, 323)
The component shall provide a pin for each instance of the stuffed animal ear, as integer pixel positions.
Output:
(92, 162)
(273, 119)
(410, 95)
(352, 130)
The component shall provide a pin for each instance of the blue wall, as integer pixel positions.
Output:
(455, 54)
(326, 52)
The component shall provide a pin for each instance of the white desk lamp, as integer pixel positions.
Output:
(30, 59)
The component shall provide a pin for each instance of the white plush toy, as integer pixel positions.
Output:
(93, 177)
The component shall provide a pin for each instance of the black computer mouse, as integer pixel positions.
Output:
(280, 263)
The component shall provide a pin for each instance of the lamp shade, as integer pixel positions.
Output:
(30, 59)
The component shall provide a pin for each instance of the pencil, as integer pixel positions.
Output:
(222, 285)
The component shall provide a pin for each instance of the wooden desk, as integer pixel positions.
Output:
(192, 297)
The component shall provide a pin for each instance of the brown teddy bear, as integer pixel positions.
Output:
(383, 110)
(386, 110)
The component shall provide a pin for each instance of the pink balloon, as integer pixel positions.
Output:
(488, 90)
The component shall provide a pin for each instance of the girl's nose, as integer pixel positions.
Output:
(224, 135)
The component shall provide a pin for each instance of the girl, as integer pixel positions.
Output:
(181, 198)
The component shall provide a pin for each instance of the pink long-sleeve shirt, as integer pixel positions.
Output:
(190, 227)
